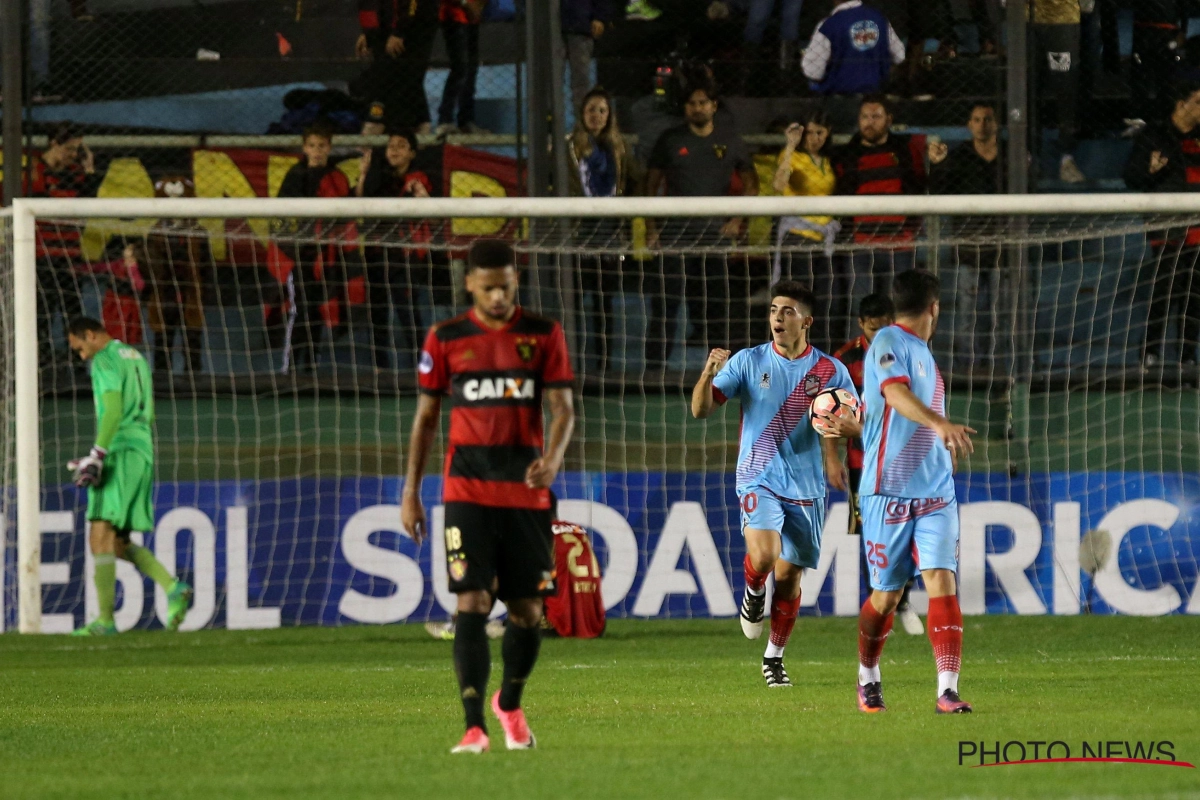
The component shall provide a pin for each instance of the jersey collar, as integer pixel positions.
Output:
(907, 330)
(486, 328)
(779, 352)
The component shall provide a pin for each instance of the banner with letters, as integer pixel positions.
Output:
(330, 551)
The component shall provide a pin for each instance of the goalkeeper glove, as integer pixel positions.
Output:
(89, 469)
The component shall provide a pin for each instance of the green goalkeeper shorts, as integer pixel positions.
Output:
(125, 497)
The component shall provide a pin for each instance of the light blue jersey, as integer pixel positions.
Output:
(903, 459)
(779, 450)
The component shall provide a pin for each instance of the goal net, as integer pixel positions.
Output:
(284, 350)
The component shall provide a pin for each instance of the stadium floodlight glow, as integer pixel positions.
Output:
(1091, 218)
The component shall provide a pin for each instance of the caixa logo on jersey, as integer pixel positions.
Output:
(496, 388)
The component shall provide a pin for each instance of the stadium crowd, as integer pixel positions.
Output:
(854, 59)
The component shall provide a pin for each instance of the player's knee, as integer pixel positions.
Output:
(886, 602)
(475, 602)
(939, 582)
(525, 612)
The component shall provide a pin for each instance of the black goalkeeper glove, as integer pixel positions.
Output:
(88, 470)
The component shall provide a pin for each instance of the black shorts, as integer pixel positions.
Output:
(510, 547)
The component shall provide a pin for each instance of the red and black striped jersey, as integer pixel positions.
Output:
(56, 239)
(495, 380)
(853, 353)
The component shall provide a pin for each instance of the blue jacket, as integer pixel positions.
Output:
(859, 55)
(577, 15)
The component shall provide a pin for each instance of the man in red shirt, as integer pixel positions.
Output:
(495, 362)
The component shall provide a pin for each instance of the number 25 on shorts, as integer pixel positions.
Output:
(876, 556)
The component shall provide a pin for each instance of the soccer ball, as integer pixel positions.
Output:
(831, 403)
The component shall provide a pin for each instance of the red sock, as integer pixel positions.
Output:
(754, 579)
(783, 619)
(945, 632)
(873, 630)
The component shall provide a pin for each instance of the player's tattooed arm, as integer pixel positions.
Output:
(425, 424)
(955, 437)
(542, 472)
(703, 402)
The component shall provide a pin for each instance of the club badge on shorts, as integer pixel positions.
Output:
(457, 567)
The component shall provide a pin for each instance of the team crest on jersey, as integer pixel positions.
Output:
(886, 360)
(765, 381)
(812, 385)
(526, 349)
(719, 150)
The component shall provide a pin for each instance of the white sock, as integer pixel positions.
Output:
(868, 675)
(946, 680)
(759, 593)
(773, 651)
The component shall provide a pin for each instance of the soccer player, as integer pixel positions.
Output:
(875, 312)
(119, 471)
(910, 514)
(497, 362)
(782, 461)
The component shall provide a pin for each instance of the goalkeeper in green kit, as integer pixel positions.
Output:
(119, 471)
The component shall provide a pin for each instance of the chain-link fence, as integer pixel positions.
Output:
(454, 69)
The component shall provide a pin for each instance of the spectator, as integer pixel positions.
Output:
(696, 159)
(314, 250)
(986, 15)
(1166, 158)
(374, 123)
(975, 166)
(928, 19)
(602, 165)
(395, 273)
(177, 254)
(1055, 41)
(121, 307)
(1158, 27)
(804, 170)
(398, 38)
(877, 161)
(460, 29)
(66, 168)
(583, 22)
(852, 51)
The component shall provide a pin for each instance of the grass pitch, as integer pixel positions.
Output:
(655, 709)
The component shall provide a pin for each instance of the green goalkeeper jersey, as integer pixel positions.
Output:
(121, 368)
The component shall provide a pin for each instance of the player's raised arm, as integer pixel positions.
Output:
(425, 424)
(703, 401)
(953, 435)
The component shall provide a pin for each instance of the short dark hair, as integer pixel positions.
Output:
(404, 133)
(794, 290)
(876, 305)
(981, 104)
(878, 99)
(79, 326)
(1182, 90)
(318, 127)
(490, 254)
(64, 132)
(915, 290)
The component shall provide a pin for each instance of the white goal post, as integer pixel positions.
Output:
(26, 213)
